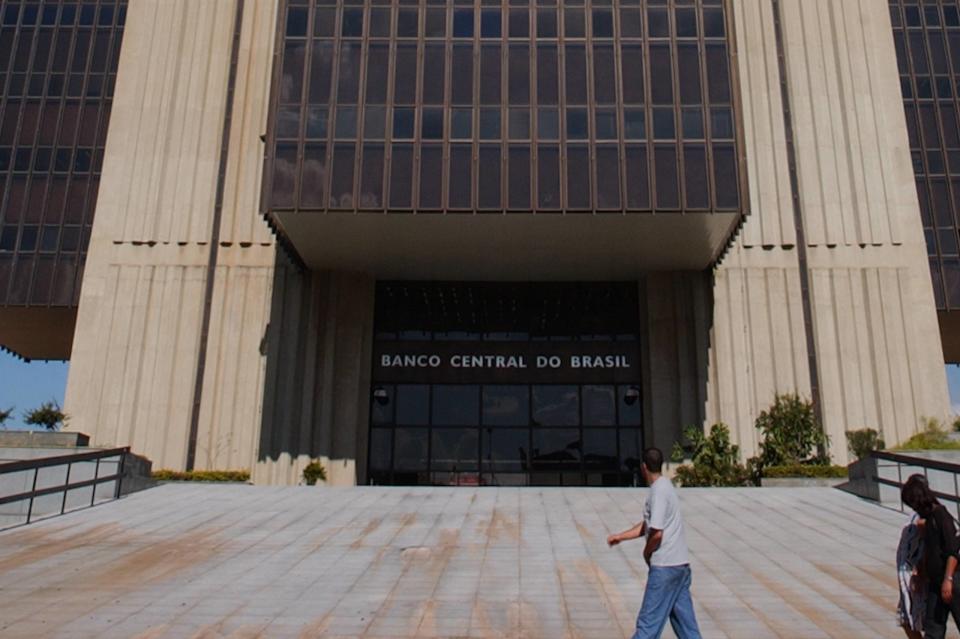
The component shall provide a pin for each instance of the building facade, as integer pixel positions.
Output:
(473, 242)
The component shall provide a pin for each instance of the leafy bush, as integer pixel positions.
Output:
(864, 441)
(48, 415)
(791, 433)
(716, 462)
(202, 475)
(934, 436)
(955, 424)
(313, 472)
(806, 470)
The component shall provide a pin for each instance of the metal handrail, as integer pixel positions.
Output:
(68, 460)
(59, 460)
(901, 460)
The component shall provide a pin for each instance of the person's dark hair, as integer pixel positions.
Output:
(916, 493)
(653, 460)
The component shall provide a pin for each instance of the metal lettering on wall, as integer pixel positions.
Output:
(505, 362)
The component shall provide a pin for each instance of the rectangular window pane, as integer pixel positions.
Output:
(377, 66)
(461, 167)
(661, 77)
(631, 62)
(695, 177)
(291, 77)
(488, 187)
(490, 74)
(547, 79)
(434, 58)
(413, 405)
(556, 405)
(688, 62)
(462, 76)
(431, 176)
(371, 177)
(405, 76)
(519, 75)
(456, 405)
(665, 167)
(578, 177)
(348, 84)
(604, 75)
(341, 187)
(725, 176)
(519, 177)
(455, 449)
(314, 177)
(321, 72)
(608, 177)
(548, 177)
(284, 176)
(717, 74)
(575, 65)
(401, 176)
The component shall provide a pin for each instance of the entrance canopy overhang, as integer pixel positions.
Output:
(517, 247)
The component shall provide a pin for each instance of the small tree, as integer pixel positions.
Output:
(5, 416)
(48, 415)
(716, 461)
(314, 472)
(864, 441)
(791, 433)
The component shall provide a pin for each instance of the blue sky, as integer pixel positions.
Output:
(25, 386)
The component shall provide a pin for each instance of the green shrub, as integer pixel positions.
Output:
(313, 472)
(806, 470)
(934, 436)
(864, 441)
(791, 433)
(955, 424)
(715, 461)
(202, 475)
(48, 415)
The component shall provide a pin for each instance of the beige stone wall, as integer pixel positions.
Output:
(878, 347)
(134, 359)
(317, 391)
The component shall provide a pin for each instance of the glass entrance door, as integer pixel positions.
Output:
(505, 434)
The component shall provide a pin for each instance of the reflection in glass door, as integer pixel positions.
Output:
(505, 435)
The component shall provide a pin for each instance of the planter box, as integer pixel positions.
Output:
(801, 482)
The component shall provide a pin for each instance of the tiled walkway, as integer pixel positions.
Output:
(239, 561)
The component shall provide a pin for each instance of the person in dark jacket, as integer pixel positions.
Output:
(940, 550)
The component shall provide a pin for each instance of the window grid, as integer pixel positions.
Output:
(927, 41)
(300, 175)
(58, 64)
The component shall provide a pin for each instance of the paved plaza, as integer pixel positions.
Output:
(210, 561)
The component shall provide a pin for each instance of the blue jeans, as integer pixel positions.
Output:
(667, 596)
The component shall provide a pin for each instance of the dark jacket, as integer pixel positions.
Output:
(939, 543)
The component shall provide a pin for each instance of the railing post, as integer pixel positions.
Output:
(96, 475)
(123, 457)
(956, 493)
(66, 489)
(900, 483)
(33, 490)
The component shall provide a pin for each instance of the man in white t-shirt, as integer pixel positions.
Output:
(667, 595)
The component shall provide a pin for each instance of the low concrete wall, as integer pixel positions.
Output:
(41, 439)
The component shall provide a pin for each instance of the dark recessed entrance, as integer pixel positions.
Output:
(505, 384)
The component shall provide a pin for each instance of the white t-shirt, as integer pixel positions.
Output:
(662, 512)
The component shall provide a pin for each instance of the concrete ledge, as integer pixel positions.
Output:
(42, 439)
(801, 482)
